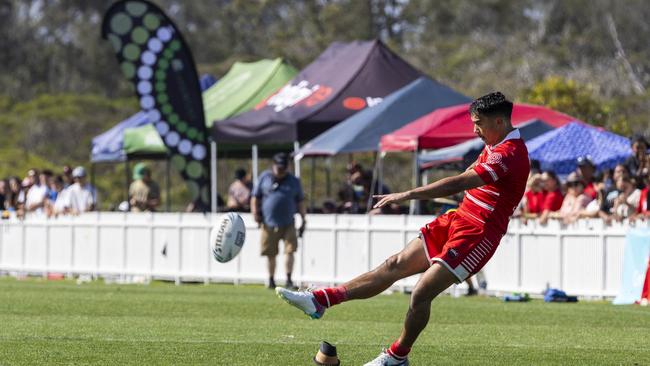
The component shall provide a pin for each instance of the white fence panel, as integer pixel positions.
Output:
(585, 258)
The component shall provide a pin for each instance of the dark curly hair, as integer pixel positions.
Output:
(492, 105)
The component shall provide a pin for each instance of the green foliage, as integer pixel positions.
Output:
(163, 324)
(569, 97)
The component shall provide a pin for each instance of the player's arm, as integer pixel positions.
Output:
(441, 188)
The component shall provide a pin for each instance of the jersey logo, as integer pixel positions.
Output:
(496, 159)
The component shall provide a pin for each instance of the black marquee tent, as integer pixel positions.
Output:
(344, 79)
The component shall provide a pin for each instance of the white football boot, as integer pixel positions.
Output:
(303, 300)
(384, 359)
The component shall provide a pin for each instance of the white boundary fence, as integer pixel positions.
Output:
(583, 259)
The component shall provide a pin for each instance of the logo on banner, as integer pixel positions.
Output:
(291, 95)
(357, 103)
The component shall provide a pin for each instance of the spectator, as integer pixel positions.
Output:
(55, 187)
(552, 196)
(67, 176)
(3, 194)
(586, 171)
(535, 167)
(144, 193)
(13, 192)
(534, 196)
(600, 207)
(239, 192)
(575, 200)
(643, 209)
(628, 198)
(275, 200)
(352, 191)
(639, 163)
(36, 197)
(78, 198)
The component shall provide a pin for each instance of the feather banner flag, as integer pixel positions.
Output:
(155, 58)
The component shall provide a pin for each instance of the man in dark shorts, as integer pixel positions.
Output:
(455, 245)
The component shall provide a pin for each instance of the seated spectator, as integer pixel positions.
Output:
(586, 171)
(639, 163)
(643, 209)
(80, 197)
(329, 207)
(533, 197)
(535, 167)
(239, 192)
(553, 197)
(575, 200)
(144, 193)
(36, 197)
(628, 199)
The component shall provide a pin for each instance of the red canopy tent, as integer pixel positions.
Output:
(450, 126)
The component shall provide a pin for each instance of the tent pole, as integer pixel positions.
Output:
(128, 180)
(255, 163)
(312, 184)
(328, 179)
(213, 175)
(373, 183)
(168, 184)
(414, 204)
(296, 161)
(92, 175)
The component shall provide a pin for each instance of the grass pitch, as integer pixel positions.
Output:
(57, 323)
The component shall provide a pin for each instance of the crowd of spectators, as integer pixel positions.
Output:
(45, 193)
(612, 195)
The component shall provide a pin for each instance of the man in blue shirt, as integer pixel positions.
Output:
(275, 200)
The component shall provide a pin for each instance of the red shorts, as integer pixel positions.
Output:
(458, 243)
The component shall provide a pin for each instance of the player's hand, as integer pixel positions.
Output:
(301, 229)
(387, 199)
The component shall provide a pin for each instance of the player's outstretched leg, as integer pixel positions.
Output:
(411, 260)
(434, 281)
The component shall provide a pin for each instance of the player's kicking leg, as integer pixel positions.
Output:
(434, 281)
(411, 260)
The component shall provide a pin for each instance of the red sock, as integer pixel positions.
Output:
(398, 351)
(331, 296)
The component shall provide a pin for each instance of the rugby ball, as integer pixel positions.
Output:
(227, 237)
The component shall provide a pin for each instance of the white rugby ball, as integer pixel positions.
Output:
(227, 237)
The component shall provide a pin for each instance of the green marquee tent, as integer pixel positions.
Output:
(143, 142)
(244, 86)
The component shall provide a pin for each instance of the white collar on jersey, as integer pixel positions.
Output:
(514, 134)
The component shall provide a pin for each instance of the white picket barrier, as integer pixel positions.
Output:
(584, 259)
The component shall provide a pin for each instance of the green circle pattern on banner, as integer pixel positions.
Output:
(151, 22)
(131, 52)
(205, 195)
(136, 8)
(163, 64)
(161, 87)
(173, 118)
(175, 45)
(139, 35)
(162, 98)
(178, 162)
(168, 53)
(182, 127)
(166, 108)
(128, 69)
(116, 42)
(160, 75)
(193, 187)
(191, 133)
(194, 169)
(121, 24)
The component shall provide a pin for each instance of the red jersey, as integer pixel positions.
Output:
(504, 168)
(552, 201)
(534, 201)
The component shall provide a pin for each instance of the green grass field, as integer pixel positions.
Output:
(60, 322)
